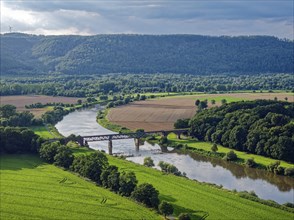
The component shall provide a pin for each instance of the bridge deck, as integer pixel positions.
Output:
(120, 136)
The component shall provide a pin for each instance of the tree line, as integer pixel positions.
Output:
(96, 167)
(124, 84)
(260, 127)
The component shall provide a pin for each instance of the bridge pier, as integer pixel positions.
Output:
(179, 135)
(110, 147)
(137, 143)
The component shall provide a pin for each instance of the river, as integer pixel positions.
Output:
(231, 176)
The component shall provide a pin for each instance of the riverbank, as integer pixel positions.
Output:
(201, 199)
(191, 145)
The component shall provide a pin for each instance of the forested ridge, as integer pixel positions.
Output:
(260, 127)
(24, 54)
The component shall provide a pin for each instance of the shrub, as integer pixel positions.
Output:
(148, 162)
(250, 162)
(90, 166)
(279, 170)
(64, 157)
(166, 208)
(273, 166)
(169, 168)
(289, 171)
(289, 204)
(214, 148)
(230, 156)
(163, 140)
(128, 183)
(146, 194)
(48, 151)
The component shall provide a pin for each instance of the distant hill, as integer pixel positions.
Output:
(31, 54)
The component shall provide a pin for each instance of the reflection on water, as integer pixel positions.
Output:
(231, 176)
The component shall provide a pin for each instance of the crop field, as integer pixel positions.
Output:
(160, 114)
(22, 100)
(31, 189)
(200, 199)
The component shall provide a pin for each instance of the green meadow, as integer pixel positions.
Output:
(31, 189)
(48, 132)
(200, 199)
(197, 198)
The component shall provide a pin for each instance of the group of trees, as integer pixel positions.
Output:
(95, 166)
(260, 127)
(10, 117)
(18, 140)
(52, 117)
(99, 54)
(106, 85)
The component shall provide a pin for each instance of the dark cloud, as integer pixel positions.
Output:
(273, 17)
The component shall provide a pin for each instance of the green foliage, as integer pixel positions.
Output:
(63, 157)
(182, 123)
(28, 185)
(231, 156)
(160, 85)
(139, 130)
(289, 171)
(169, 168)
(163, 140)
(9, 117)
(148, 162)
(165, 208)
(128, 183)
(214, 148)
(90, 166)
(191, 196)
(48, 151)
(250, 162)
(146, 194)
(139, 54)
(18, 140)
(7, 111)
(260, 127)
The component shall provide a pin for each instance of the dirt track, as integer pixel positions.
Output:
(160, 114)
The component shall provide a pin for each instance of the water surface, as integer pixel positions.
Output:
(231, 176)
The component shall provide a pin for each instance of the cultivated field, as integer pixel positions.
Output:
(200, 199)
(22, 100)
(31, 189)
(160, 114)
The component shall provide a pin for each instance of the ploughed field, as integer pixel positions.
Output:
(31, 189)
(161, 114)
(21, 101)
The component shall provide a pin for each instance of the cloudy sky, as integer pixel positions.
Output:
(206, 17)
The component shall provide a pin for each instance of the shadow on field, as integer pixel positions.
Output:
(19, 161)
(194, 214)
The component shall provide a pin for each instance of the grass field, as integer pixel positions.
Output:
(197, 198)
(161, 113)
(264, 161)
(190, 196)
(31, 189)
(48, 132)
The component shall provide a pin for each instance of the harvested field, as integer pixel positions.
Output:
(22, 100)
(160, 114)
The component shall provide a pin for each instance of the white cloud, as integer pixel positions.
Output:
(149, 17)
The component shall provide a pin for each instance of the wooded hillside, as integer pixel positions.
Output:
(31, 54)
